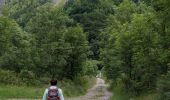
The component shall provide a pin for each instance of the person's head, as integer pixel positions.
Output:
(53, 82)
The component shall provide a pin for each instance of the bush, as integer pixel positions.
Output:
(78, 87)
(118, 88)
(8, 77)
(164, 87)
(90, 67)
(70, 89)
(28, 78)
(85, 81)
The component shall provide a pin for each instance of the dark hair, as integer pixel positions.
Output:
(53, 82)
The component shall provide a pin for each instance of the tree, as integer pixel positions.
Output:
(20, 10)
(48, 27)
(163, 87)
(91, 14)
(129, 47)
(162, 8)
(15, 46)
(60, 47)
(79, 47)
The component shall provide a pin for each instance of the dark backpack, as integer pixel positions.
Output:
(53, 94)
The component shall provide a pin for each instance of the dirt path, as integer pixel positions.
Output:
(98, 92)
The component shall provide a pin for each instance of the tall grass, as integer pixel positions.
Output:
(20, 92)
(120, 95)
(152, 96)
(78, 87)
(70, 89)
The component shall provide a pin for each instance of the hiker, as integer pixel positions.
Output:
(53, 92)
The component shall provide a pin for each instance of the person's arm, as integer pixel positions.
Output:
(61, 94)
(45, 95)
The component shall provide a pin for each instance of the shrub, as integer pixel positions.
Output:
(8, 77)
(164, 87)
(28, 78)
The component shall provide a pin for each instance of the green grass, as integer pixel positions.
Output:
(20, 92)
(69, 88)
(126, 97)
(152, 96)
(121, 95)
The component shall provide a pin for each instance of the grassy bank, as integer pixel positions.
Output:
(152, 96)
(20, 92)
(126, 97)
(69, 89)
(122, 95)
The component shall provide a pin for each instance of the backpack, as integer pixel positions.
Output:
(53, 94)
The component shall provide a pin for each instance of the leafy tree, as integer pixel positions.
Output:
(91, 14)
(23, 11)
(163, 8)
(60, 48)
(79, 47)
(130, 46)
(163, 87)
(49, 29)
(15, 46)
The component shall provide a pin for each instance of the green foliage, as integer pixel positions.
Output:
(28, 78)
(48, 29)
(79, 47)
(120, 94)
(162, 8)
(60, 48)
(23, 11)
(50, 46)
(91, 14)
(15, 46)
(12, 91)
(132, 47)
(85, 82)
(130, 38)
(164, 88)
(90, 68)
(70, 89)
(8, 77)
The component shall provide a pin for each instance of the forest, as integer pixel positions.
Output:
(127, 40)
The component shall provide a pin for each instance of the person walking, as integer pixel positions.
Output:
(53, 92)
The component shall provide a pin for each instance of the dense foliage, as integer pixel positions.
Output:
(42, 43)
(135, 46)
(130, 39)
(92, 15)
(23, 11)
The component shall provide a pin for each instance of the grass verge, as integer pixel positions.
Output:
(70, 89)
(147, 97)
(20, 92)
(119, 95)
